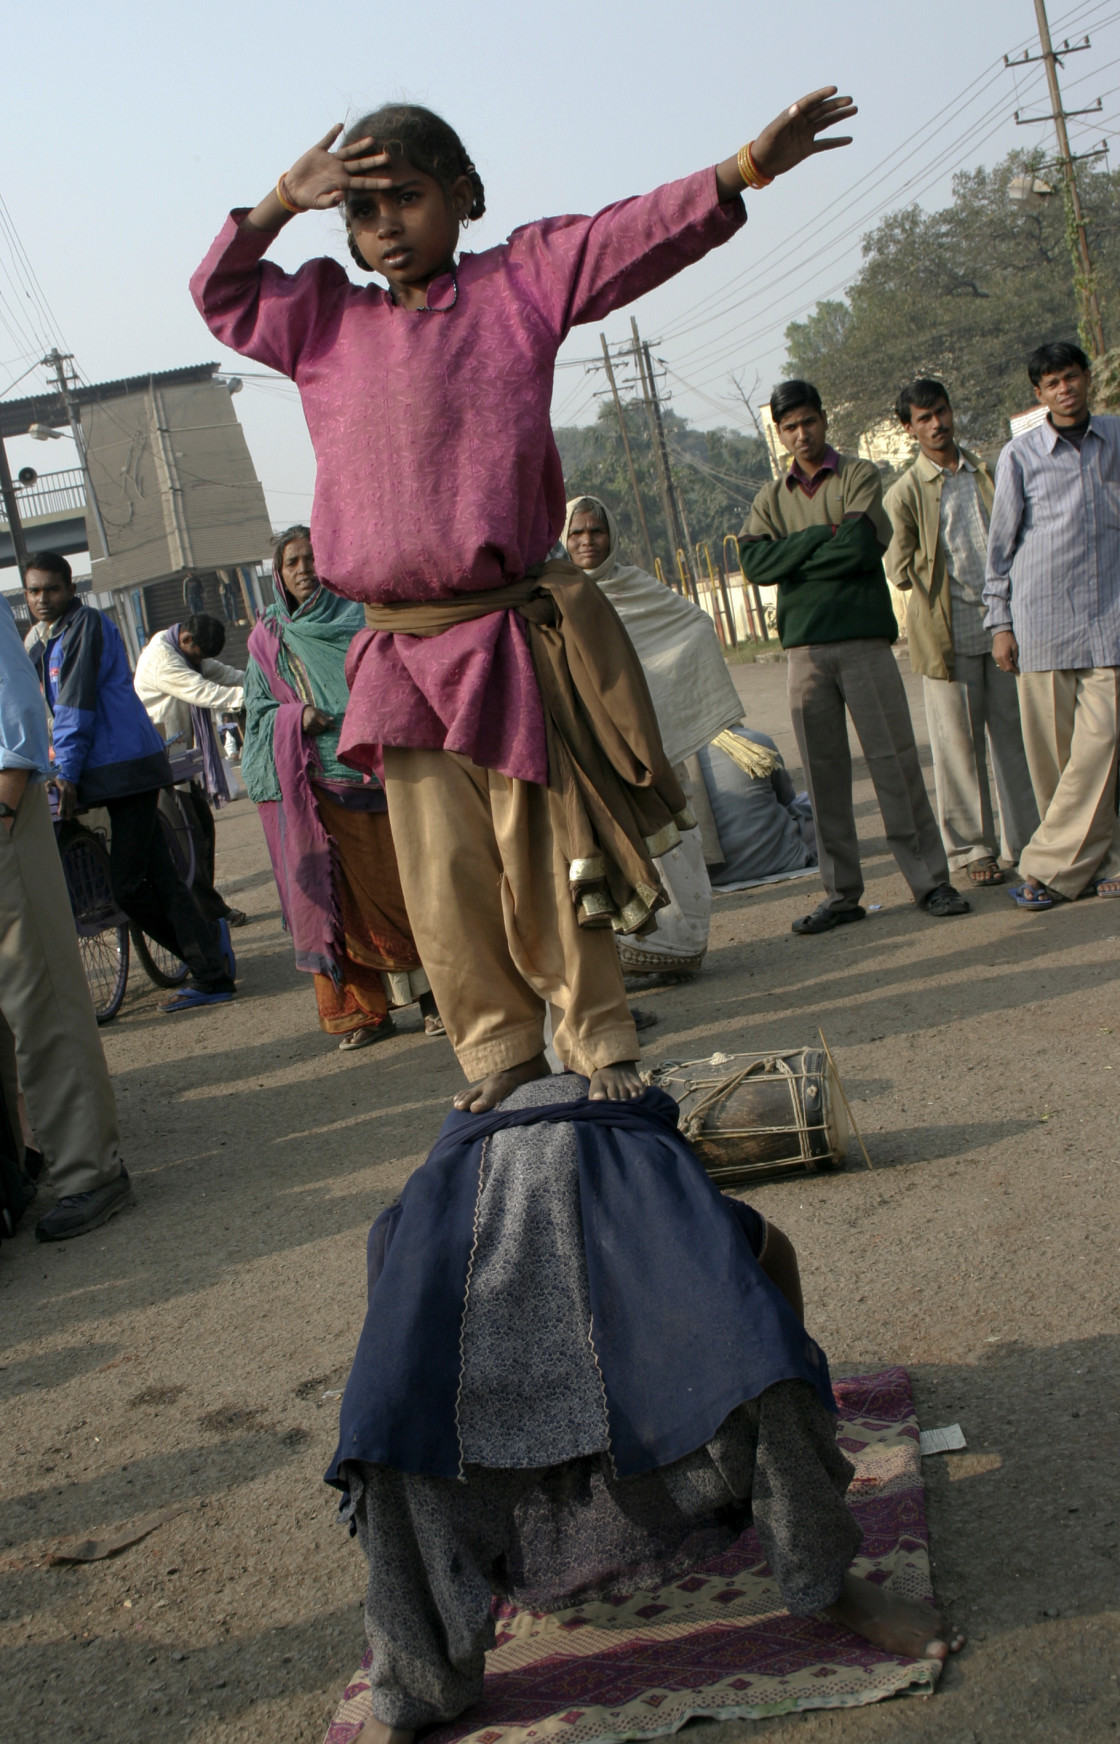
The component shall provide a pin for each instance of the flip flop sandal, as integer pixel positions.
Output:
(1101, 891)
(1031, 896)
(434, 1026)
(984, 872)
(192, 997)
(366, 1036)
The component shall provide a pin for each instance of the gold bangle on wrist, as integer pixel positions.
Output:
(749, 170)
(283, 198)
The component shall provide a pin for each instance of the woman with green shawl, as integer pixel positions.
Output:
(327, 827)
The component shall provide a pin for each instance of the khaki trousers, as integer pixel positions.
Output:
(1070, 725)
(862, 678)
(958, 710)
(486, 890)
(48, 1032)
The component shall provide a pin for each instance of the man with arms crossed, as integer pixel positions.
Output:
(1053, 599)
(940, 509)
(819, 533)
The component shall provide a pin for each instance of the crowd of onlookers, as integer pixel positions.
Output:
(1013, 617)
(1012, 583)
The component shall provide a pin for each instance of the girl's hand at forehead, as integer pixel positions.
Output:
(323, 178)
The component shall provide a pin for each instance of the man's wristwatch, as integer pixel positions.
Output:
(6, 810)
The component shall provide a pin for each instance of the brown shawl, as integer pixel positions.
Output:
(616, 803)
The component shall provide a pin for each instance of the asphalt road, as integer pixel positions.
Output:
(181, 1355)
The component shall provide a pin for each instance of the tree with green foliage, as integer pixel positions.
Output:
(716, 472)
(964, 295)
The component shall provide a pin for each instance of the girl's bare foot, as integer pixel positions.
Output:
(897, 1625)
(377, 1732)
(618, 1083)
(488, 1092)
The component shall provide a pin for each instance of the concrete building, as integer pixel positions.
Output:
(179, 502)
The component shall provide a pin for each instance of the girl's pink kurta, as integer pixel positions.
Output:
(437, 469)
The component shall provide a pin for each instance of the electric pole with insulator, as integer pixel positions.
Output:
(1092, 328)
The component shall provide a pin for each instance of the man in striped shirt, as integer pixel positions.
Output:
(1053, 598)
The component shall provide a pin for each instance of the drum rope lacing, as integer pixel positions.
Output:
(772, 1066)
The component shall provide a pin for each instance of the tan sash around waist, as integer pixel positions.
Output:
(616, 802)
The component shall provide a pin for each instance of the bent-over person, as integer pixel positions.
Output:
(181, 682)
(819, 534)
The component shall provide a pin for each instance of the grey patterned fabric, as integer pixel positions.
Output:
(530, 1393)
(439, 1549)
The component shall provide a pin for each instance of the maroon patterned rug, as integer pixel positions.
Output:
(716, 1643)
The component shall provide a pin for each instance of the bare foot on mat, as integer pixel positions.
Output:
(488, 1092)
(901, 1626)
(618, 1083)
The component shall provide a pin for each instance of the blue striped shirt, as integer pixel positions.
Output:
(1054, 548)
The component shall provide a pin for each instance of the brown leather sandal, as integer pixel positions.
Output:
(984, 872)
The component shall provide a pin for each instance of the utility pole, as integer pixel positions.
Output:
(1084, 280)
(57, 361)
(674, 520)
(11, 510)
(646, 540)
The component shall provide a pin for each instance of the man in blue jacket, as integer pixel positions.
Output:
(107, 752)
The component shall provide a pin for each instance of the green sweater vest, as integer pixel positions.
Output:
(831, 585)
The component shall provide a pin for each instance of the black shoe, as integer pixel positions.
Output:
(78, 1213)
(824, 918)
(235, 917)
(945, 901)
(643, 1019)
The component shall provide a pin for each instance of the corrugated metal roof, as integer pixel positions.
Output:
(17, 416)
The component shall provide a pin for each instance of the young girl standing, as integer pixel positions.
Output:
(527, 789)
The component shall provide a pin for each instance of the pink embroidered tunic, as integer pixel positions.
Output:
(437, 471)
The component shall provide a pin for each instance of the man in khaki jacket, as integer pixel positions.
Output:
(939, 510)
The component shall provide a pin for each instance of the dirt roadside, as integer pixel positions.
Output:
(183, 1353)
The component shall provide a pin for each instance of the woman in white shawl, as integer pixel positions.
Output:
(695, 700)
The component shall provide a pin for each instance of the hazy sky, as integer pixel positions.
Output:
(175, 113)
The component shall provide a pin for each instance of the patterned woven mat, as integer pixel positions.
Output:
(717, 1643)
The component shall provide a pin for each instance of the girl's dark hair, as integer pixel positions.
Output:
(790, 396)
(425, 141)
(283, 540)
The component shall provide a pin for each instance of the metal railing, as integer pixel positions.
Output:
(55, 493)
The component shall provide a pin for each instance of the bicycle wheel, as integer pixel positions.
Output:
(102, 933)
(159, 964)
(105, 960)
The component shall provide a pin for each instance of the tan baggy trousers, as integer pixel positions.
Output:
(47, 1028)
(486, 889)
(1071, 720)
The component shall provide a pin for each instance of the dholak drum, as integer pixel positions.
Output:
(759, 1114)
